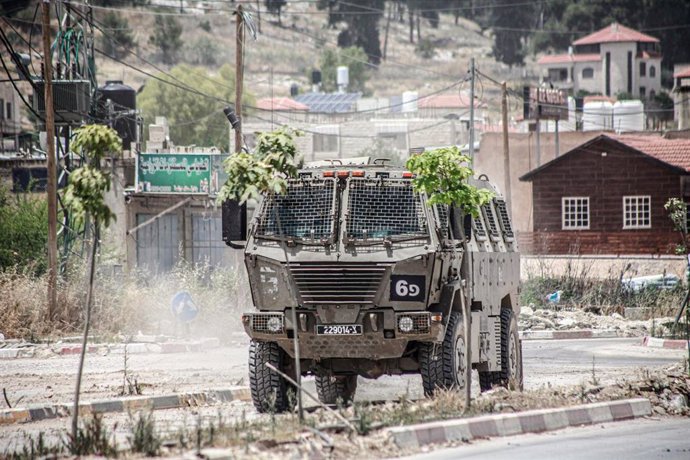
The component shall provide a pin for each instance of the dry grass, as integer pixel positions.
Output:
(125, 304)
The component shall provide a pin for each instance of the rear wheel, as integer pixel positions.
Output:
(510, 375)
(331, 388)
(443, 365)
(270, 391)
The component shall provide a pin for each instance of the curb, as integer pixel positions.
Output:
(571, 334)
(536, 421)
(132, 348)
(653, 342)
(131, 403)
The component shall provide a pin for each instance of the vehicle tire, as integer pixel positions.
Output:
(270, 392)
(331, 388)
(443, 365)
(510, 375)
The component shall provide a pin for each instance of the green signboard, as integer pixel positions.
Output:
(182, 173)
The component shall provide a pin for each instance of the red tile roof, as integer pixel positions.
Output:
(568, 58)
(675, 152)
(615, 33)
(683, 71)
(281, 103)
(446, 101)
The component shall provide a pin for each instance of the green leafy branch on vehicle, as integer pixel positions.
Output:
(264, 171)
(442, 174)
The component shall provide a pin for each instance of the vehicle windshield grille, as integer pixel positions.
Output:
(384, 209)
(306, 211)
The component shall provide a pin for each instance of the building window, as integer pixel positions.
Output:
(587, 73)
(9, 110)
(637, 212)
(396, 141)
(325, 143)
(575, 213)
(652, 71)
(643, 69)
(2, 114)
(652, 94)
(558, 74)
(643, 92)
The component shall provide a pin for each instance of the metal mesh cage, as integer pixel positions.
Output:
(260, 322)
(443, 221)
(305, 212)
(479, 230)
(421, 323)
(488, 212)
(384, 208)
(504, 219)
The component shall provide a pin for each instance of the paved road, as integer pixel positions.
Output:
(644, 439)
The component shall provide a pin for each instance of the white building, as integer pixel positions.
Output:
(611, 61)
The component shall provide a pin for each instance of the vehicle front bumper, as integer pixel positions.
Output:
(381, 336)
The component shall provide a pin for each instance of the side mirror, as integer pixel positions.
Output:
(234, 217)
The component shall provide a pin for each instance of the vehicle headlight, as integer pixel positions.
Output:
(274, 324)
(405, 324)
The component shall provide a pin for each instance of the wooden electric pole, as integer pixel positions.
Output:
(239, 76)
(506, 147)
(472, 75)
(51, 161)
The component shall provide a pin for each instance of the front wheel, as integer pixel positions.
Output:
(443, 365)
(270, 391)
(510, 375)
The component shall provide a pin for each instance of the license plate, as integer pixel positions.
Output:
(339, 329)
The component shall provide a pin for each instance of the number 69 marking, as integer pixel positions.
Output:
(405, 289)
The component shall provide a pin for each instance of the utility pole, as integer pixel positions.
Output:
(51, 161)
(472, 74)
(239, 76)
(506, 147)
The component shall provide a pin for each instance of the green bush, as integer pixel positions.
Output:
(23, 231)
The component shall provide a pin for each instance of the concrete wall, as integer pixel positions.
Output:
(523, 158)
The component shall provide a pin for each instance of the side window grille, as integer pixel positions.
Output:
(479, 230)
(504, 219)
(443, 222)
(488, 212)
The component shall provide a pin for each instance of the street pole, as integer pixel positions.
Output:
(472, 73)
(239, 76)
(506, 149)
(51, 161)
(558, 149)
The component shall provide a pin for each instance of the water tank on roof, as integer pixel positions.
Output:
(120, 111)
(343, 78)
(628, 116)
(597, 116)
(409, 101)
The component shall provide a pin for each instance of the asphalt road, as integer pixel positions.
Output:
(644, 439)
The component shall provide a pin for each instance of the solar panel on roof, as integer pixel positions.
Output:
(329, 103)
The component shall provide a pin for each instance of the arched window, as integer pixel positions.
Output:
(652, 93)
(652, 71)
(587, 72)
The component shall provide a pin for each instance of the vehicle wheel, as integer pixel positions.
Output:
(443, 365)
(270, 391)
(331, 388)
(510, 375)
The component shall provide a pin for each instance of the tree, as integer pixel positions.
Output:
(275, 7)
(193, 118)
(508, 22)
(84, 198)
(120, 38)
(362, 20)
(264, 171)
(356, 61)
(166, 36)
(442, 174)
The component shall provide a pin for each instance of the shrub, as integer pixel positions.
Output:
(23, 231)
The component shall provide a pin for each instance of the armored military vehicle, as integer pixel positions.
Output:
(378, 278)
